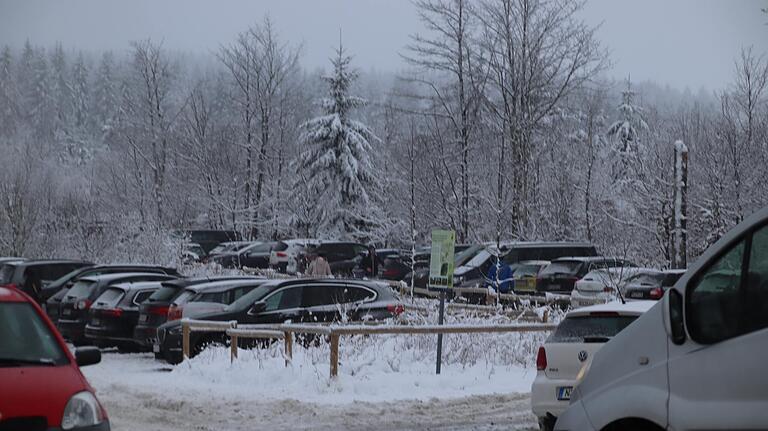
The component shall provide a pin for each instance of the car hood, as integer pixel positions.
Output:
(21, 393)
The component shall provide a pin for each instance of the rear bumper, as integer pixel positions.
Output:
(544, 396)
(73, 330)
(108, 334)
(144, 335)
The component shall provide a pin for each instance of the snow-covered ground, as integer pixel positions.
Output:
(383, 383)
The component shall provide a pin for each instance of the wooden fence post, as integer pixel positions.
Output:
(288, 340)
(334, 355)
(185, 339)
(233, 348)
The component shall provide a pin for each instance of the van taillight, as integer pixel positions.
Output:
(281, 254)
(395, 309)
(541, 359)
(83, 304)
(657, 293)
(112, 312)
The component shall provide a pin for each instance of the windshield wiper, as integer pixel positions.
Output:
(17, 362)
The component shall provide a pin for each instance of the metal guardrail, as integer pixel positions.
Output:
(334, 332)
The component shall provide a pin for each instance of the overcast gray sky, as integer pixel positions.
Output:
(684, 43)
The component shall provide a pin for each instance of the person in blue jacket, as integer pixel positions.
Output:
(505, 277)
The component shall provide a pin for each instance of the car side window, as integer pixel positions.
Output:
(355, 294)
(315, 296)
(714, 303)
(284, 299)
(756, 283)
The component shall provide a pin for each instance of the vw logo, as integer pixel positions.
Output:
(583, 355)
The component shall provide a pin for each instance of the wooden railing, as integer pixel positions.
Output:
(334, 332)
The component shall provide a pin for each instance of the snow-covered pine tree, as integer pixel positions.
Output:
(8, 107)
(61, 91)
(105, 93)
(337, 160)
(626, 130)
(80, 91)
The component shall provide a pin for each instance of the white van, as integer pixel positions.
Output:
(697, 359)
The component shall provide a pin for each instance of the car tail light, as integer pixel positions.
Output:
(608, 289)
(396, 309)
(159, 310)
(281, 254)
(83, 304)
(389, 272)
(112, 312)
(541, 359)
(657, 293)
(174, 313)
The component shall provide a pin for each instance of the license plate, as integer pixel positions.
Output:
(554, 287)
(143, 318)
(96, 322)
(636, 295)
(156, 348)
(66, 312)
(564, 393)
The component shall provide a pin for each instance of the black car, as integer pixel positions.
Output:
(154, 311)
(279, 301)
(255, 255)
(33, 276)
(561, 274)
(343, 257)
(78, 300)
(652, 285)
(115, 313)
(56, 291)
(395, 265)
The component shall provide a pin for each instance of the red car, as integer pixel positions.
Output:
(41, 386)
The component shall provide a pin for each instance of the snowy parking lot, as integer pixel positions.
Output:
(373, 391)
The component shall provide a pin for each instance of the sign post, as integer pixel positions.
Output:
(441, 276)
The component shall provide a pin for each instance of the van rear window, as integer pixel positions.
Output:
(81, 289)
(579, 329)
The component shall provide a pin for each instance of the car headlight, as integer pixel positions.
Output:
(82, 410)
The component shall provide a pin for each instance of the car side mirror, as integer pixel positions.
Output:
(85, 356)
(257, 308)
(673, 311)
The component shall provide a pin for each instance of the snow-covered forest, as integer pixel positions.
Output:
(502, 127)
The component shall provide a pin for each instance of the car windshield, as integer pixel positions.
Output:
(165, 293)
(110, 297)
(563, 267)
(527, 271)
(579, 329)
(647, 279)
(27, 340)
(81, 289)
(248, 299)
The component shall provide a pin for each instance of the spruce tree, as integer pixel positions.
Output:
(337, 160)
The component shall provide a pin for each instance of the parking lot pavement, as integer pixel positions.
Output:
(133, 406)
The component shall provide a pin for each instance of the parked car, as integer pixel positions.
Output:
(33, 276)
(41, 386)
(154, 311)
(603, 285)
(651, 285)
(421, 275)
(524, 276)
(278, 301)
(255, 255)
(115, 313)
(208, 239)
(695, 360)
(286, 256)
(561, 275)
(213, 297)
(215, 292)
(577, 338)
(192, 252)
(78, 300)
(57, 290)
